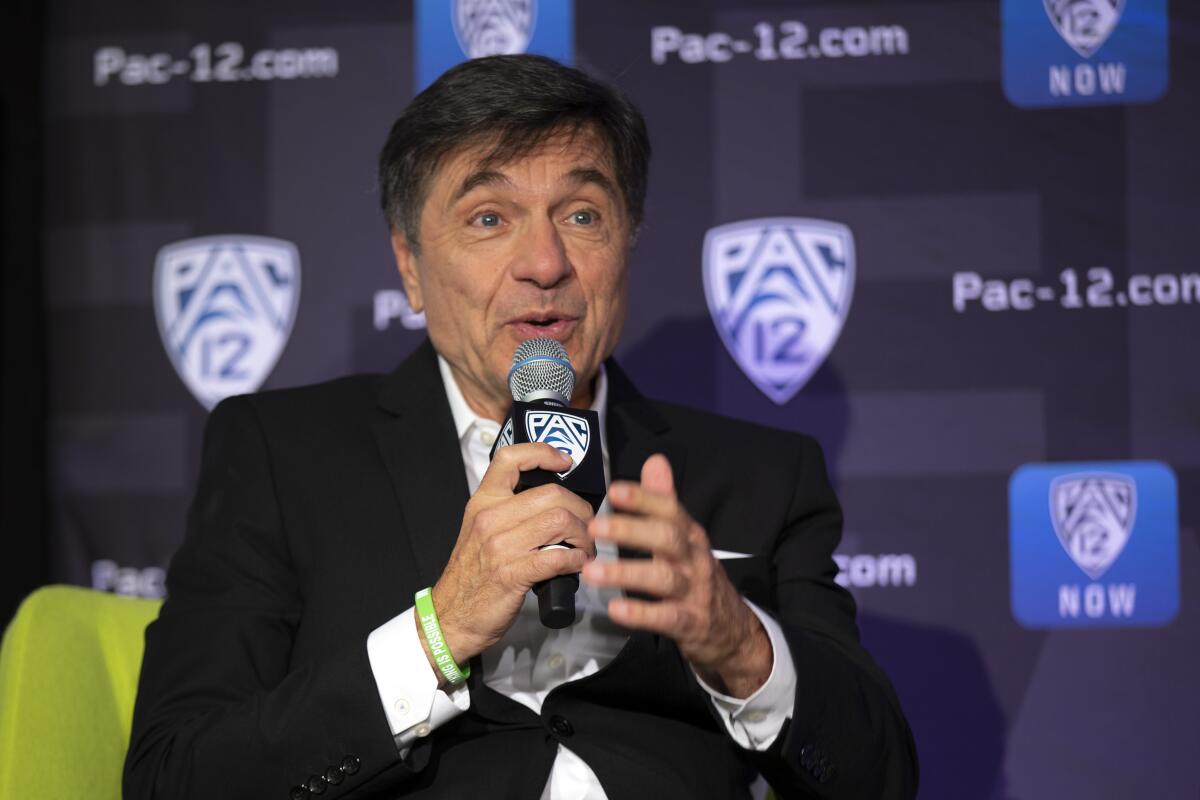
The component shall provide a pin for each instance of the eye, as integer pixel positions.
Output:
(583, 218)
(487, 220)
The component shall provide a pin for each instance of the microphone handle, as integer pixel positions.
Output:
(556, 596)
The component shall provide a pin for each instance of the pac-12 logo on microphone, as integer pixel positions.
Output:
(566, 432)
(1094, 544)
(225, 308)
(452, 31)
(506, 434)
(779, 290)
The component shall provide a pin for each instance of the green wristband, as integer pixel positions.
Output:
(427, 616)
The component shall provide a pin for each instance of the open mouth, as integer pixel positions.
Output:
(550, 325)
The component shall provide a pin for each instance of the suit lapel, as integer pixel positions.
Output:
(420, 449)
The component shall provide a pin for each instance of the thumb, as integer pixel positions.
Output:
(656, 475)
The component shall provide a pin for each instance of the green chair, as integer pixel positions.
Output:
(68, 677)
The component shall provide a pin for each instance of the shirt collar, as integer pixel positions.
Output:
(465, 418)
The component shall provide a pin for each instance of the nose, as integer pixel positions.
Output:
(541, 258)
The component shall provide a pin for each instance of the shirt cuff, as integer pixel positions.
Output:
(755, 722)
(407, 684)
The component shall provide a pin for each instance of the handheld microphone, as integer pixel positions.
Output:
(542, 381)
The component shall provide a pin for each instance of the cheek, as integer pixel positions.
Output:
(614, 291)
(608, 309)
(455, 308)
(449, 286)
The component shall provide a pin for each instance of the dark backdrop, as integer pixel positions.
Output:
(927, 129)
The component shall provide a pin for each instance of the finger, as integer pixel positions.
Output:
(551, 495)
(514, 511)
(552, 526)
(636, 499)
(654, 495)
(665, 617)
(509, 462)
(542, 565)
(658, 536)
(657, 476)
(653, 577)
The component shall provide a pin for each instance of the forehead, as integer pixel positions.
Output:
(563, 152)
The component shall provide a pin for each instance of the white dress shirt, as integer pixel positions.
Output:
(531, 660)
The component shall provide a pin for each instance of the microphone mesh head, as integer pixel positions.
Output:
(541, 370)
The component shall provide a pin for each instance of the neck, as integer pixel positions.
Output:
(585, 394)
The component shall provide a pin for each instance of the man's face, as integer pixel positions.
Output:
(536, 247)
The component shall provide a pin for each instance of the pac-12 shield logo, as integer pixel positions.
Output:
(1093, 515)
(1084, 24)
(566, 432)
(493, 27)
(779, 290)
(225, 308)
(506, 435)
(1094, 544)
(449, 32)
(503, 439)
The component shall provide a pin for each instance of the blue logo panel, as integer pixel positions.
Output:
(1094, 544)
(1084, 52)
(449, 32)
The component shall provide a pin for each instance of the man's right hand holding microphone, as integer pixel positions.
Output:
(497, 560)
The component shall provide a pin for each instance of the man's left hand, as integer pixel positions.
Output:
(698, 607)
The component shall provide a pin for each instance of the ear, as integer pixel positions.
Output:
(406, 264)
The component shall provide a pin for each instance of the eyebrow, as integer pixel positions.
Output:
(491, 177)
(582, 175)
(480, 177)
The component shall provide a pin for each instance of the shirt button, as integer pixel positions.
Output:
(402, 707)
(487, 437)
(756, 716)
(423, 730)
(555, 661)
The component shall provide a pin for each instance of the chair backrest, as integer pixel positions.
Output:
(68, 677)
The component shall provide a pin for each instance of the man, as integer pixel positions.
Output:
(289, 659)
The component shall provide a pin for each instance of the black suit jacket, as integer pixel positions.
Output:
(320, 511)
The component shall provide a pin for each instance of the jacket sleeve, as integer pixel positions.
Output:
(847, 736)
(221, 710)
